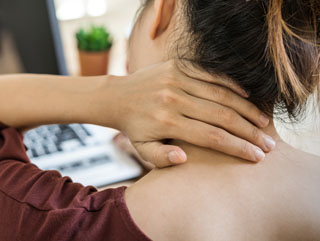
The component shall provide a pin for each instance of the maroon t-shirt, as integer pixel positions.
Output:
(42, 205)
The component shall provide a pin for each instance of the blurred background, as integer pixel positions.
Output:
(38, 36)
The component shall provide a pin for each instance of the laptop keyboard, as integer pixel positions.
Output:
(83, 164)
(51, 139)
(81, 152)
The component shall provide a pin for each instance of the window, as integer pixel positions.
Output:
(75, 9)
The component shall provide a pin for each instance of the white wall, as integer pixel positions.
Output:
(117, 19)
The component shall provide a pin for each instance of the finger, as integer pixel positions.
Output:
(202, 134)
(124, 143)
(161, 155)
(226, 118)
(189, 70)
(227, 98)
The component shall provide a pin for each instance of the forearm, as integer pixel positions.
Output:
(32, 100)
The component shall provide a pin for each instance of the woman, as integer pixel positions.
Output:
(227, 199)
(37, 205)
(270, 49)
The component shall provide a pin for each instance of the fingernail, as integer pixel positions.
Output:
(264, 120)
(177, 157)
(259, 155)
(244, 93)
(270, 144)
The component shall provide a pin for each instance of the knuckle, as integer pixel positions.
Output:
(256, 134)
(171, 65)
(169, 79)
(165, 119)
(217, 137)
(155, 158)
(221, 94)
(170, 72)
(253, 110)
(245, 150)
(228, 117)
(168, 96)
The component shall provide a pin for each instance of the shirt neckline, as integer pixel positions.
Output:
(127, 218)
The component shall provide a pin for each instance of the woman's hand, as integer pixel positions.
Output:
(163, 102)
(124, 143)
(150, 107)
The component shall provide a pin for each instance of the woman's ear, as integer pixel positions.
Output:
(164, 10)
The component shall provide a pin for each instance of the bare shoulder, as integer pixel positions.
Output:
(217, 198)
(308, 162)
(178, 204)
(154, 204)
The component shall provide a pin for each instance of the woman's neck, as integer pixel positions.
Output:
(271, 131)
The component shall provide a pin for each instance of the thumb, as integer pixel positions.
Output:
(161, 155)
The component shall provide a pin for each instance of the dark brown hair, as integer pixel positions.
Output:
(269, 47)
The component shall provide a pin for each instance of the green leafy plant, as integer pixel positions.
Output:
(96, 39)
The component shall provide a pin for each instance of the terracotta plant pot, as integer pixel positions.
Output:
(94, 63)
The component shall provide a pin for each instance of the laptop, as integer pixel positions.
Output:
(83, 152)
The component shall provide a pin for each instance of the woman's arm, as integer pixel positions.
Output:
(158, 103)
(41, 205)
(30, 100)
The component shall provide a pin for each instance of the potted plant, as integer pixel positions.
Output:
(94, 49)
